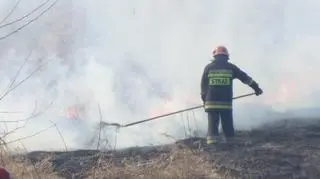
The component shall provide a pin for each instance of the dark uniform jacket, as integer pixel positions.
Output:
(217, 83)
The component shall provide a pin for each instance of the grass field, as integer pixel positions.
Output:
(288, 149)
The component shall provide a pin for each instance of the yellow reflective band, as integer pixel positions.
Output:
(217, 106)
(225, 74)
(211, 141)
(218, 102)
(221, 70)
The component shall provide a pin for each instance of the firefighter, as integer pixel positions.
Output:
(217, 93)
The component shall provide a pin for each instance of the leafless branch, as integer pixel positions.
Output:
(32, 135)
(97, 163)
(168, 136)
(11, 11)
(26, 120)
(31, 21)
(33, 165)
(21, 82)
(10, 112)
(58, 130)
(100, 127)
(196, 124)
(184, 126)
(7, 132)
(25, 16)
(3, 144)
(13, 80)
(188, 124)
(116, 138)
(13, 83)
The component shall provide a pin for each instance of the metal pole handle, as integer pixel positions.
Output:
(176, 112)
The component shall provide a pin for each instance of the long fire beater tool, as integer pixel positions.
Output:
(164, 115)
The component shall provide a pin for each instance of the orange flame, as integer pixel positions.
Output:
(72, 113)
(75, 112)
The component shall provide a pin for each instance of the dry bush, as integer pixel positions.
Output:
(26, 169)
(181, 163)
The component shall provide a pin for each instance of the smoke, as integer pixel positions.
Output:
(136, 59)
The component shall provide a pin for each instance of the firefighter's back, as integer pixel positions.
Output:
(220, 82)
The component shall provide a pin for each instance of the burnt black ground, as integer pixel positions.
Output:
(285, 149)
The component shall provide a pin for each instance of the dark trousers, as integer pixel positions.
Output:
(226, 117)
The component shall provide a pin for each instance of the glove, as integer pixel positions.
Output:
(258, 91)
(256, 88)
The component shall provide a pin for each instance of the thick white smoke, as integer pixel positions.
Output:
(135, 57)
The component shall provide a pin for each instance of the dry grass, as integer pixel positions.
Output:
(180, 163)
(183, 163)
(26, 170)
(283, 151)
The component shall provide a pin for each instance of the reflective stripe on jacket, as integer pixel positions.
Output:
(217, 83)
